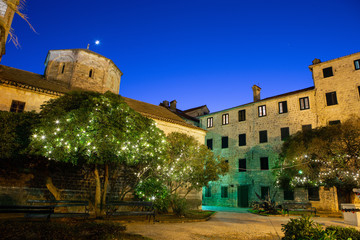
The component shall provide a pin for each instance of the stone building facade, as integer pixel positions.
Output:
(250, 136)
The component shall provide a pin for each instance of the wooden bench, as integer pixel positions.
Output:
(53, 204)
(146, 209)
(46, 209)
(298, 207)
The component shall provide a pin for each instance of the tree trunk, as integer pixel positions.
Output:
(97, 192)
(54, 191)
(106, 183)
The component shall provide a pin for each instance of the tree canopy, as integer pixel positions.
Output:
(190, 165)
(95, 128)
(328, 156)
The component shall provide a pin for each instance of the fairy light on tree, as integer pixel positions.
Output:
(99, 129)
(323, 156)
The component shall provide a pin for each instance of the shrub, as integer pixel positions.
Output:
(341, 233)
(153, 189)
(179, 205)
(302, 228)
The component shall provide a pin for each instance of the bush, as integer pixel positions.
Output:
(179, 205)
(341, 233)
(154, 190)
(302, 228)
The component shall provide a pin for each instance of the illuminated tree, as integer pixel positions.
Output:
(327, 156)
(97, 130)
(190, 165)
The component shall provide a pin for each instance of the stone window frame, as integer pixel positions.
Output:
(263, 136)
(284, 133)
(334, 122)
(242, 139)
(225, 119)
(91, 73)
(62, 68)
(208, 191)
(224, 189)
(209, 143)
(242, 165)
(304, 103)
(283, 107)
(331, 98)
(17, 106)
(262, 111)
(328, 72)
(357, 64)
(242, 115)
(225, 142)
(264, 163)
(209, 122)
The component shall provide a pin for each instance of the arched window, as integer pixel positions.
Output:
(63, 68)
(91, 73)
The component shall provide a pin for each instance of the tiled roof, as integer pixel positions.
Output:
(36, 82)
(157, 112)
(195, 108)
(29, 80)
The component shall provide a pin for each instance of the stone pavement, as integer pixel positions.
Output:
(227, 223)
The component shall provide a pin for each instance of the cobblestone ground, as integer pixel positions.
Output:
(237, 224)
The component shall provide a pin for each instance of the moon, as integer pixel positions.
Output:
(97, 42)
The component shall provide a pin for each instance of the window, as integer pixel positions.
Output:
(209, 144)
(357, 64)
(313, 193)
(306, 127)
(328, 72)
(63, 68)
(242, 115)
(288, 194)
(242, 165)
(359, 90)
(263, 136)
(224, 191)
(264, 163)
(331, 98)
(304, 103)
(17, 106)
(242, 139)
(265, 192)
(283, 107)
(285, 133)
(225, 119)
(224, 142)
(334, 122)
(208, 191)
(91, 73)
(210, 122)
(262, 110)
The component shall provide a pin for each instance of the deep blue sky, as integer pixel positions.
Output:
(195, 51)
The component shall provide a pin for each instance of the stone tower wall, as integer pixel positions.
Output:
(104, 76)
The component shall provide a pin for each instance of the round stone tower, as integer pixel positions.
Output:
(82, 69)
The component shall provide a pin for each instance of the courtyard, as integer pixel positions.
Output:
(226, 223)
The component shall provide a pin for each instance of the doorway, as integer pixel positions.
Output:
(243, 196)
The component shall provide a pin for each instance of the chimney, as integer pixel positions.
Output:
(165, 104)
(256, 92)
(173, 105)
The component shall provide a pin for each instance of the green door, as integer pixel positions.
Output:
(243, 196)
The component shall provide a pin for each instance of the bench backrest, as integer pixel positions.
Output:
(297, 205)
(130, 203)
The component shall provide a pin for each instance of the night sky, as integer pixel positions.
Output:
(197, 52)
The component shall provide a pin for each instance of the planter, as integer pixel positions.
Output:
(351, 213)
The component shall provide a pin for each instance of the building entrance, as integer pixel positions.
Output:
(243, 196)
